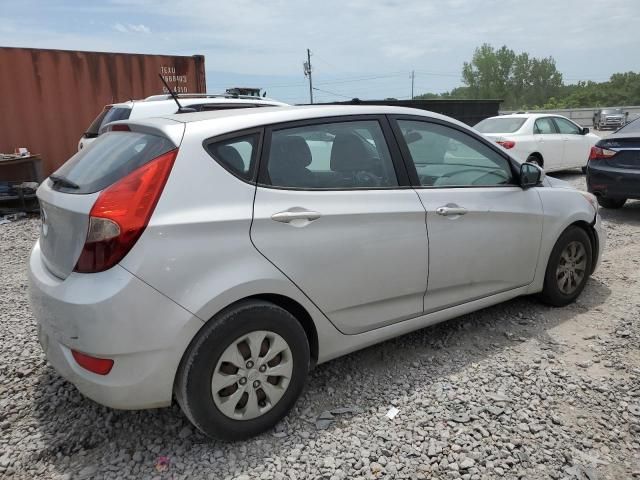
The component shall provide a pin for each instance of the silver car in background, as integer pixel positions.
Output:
(218, 256)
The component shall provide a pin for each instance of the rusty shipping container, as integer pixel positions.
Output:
(49, 97)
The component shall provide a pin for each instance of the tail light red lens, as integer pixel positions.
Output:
(120, 128)
(506, 143)
(101, 366)
(598, 153)
(121, 214)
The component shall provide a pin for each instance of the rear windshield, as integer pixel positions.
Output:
(633, 127)
(114, 114)
(111, 157)
(500, 125)
(94, 128)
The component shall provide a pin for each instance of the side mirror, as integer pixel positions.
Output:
(585, 130)
(531, 175)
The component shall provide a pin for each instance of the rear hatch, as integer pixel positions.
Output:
(69, 194)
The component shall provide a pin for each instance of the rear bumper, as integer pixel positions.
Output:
(613, 182)
(111, 314)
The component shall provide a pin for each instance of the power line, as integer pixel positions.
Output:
(331, 93)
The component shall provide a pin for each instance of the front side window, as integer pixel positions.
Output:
(444, 156)
(565, 126)
(544, 126)
(237, 154)
(340, 155)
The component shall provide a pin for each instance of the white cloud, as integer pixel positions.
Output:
(347, 37)
(130, 28)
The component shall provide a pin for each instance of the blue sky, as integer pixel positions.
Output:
(361, 48)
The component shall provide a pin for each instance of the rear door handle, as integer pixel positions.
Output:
(289, 216)
(450, 211)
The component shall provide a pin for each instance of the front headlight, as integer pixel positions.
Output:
(591, 198)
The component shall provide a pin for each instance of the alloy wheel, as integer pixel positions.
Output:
(571, 267)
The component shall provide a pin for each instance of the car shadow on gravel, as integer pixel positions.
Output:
(82, 436)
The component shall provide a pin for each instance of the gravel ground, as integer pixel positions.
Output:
(519, 390)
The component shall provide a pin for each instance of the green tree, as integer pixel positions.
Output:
(516, 79)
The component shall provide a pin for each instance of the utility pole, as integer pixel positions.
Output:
(413, 75)
(307, 73)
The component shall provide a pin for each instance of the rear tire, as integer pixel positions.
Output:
(223, 384)
(535, 160)
(611, 202)
(568, 268)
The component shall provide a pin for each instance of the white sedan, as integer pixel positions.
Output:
(550, 141)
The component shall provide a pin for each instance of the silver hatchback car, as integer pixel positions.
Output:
(218, 256)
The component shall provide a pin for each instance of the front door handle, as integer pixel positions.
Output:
(451, 211)
(289, 216)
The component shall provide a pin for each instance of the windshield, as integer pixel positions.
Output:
(613, 110)
(633, 127)
(500, 125)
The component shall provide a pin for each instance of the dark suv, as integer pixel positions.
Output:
(609, 118)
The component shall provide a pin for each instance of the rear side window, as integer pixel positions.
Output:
(238, 155)
(544, 126)
(111, 157)
(341, 155)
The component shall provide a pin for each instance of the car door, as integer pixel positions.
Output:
(576, 145)
(484, 230)
(335, 213)
(549, 143)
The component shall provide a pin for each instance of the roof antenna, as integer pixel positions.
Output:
(181, 109)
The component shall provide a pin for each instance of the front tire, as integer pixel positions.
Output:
(244, 370)
(611, 202)
(568, 269)
(535, 160)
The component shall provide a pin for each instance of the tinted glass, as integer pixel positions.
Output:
(237, 155)
(565, 126)
(111, 157)
(633, 127)
(500, 125)
(94, 128)
(331, 155)
(544, 126)
(114, 114)
(444, 156)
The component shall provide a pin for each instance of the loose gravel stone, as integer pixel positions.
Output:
(559, 394)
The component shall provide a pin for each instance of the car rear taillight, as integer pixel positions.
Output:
(119, 127)
(506, 143)
(101, 366)
(121, 214)
(599, 153)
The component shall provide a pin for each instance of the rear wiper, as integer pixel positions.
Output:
(64, 182)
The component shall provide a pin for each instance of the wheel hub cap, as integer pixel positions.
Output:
(571, 268)
(252, 375)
